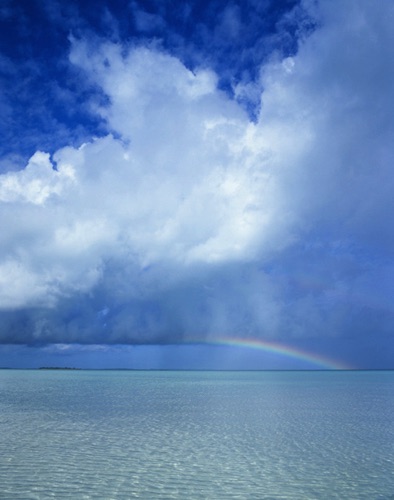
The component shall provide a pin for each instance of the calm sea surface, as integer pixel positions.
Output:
(194, 435)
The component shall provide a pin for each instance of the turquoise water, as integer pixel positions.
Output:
(196, 435)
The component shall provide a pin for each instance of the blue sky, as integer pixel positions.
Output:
(174, 174)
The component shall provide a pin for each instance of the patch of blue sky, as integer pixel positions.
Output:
(46, 103)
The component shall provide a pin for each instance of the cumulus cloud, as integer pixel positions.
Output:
(192, 221)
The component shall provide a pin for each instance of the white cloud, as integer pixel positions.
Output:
(37, 182)
(188, 185)
(20, 287)
(183, 183)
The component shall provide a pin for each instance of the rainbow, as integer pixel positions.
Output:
(283, 350)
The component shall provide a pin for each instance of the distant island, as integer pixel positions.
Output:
(57, 368)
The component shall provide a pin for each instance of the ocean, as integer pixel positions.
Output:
(196, 435)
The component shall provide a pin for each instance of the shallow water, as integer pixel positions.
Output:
(196, 435)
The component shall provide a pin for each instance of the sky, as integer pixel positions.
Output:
(200, 184)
